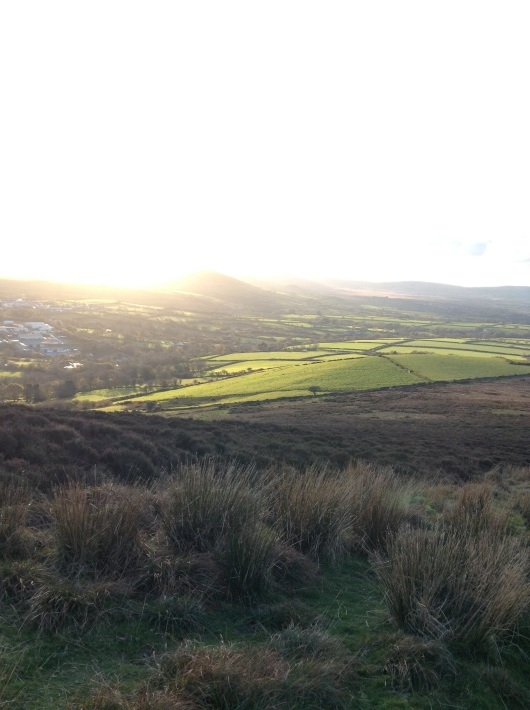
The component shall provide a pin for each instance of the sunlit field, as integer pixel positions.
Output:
(336, 367)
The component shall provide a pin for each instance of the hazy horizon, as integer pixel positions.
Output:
(359, 141)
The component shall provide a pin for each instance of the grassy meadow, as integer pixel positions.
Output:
(335, 367)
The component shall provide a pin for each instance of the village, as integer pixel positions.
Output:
(34, 337)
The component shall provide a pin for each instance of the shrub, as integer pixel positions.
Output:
(452, 584)
(129, 465)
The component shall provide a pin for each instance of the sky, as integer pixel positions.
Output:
(366, 140)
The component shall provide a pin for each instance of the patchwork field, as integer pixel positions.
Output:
(341, 367)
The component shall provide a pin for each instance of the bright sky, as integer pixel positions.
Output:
(373, 139)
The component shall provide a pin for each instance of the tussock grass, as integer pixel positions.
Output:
(522, 506)
(97, 530)
(327, 513)
(223, 676)
(281, 615)
(250, 556)
(14, 500)
(297, 643)
(175, 615)
(475, 510)
(456, 585)
(19, 579)
(379, 501)
(253, 677)
(218, 512)
(415, 663)
(313, 511)
(166, 574)
(202, 503)
(58, 603)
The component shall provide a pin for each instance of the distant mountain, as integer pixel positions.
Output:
(210, 291)
(424, 289)
(221, 289)
(295, 285)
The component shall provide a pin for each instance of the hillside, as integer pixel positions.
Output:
(137, 575)
(225, 290)
(292, 509)
(208, 291)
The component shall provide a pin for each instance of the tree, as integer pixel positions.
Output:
(13, 391)
(66, 390)
(314, 389)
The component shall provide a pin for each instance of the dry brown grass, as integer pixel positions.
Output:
(14, 502)
(201, 503)
(313, 511)
(379, 500)
(476, 511)
(415, 663)
(454, 584)
(97, 529)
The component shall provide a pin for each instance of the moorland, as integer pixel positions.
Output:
(290, 494)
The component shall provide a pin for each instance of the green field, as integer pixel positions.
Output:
(446, 367)
(109, 393)
(291, 381)
(360, 344)
(488, 347)
(429, 350)
(9, 374)
(334, 367)
(277, 355)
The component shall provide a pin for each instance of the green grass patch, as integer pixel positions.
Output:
(295, 381)
(359, 344)
(281, 355)
(458, 367)
(409, 349)
(9, 375)
(109, 393)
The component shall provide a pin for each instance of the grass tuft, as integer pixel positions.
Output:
(454, 585)
(14, 500)
(97, 530)
(203, 503)
(379, 501)
(313, 512)
(415, 663)
(58, 603)
(250, 556)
